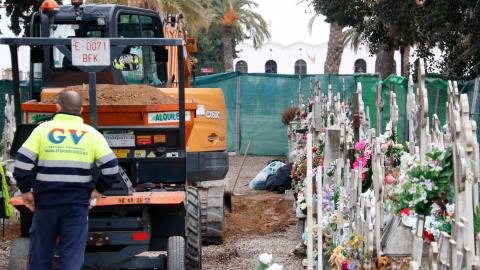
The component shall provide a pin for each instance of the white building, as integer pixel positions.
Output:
(299, 57)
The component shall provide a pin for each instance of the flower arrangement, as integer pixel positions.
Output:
(264, 261)
(297, 164)
(331, 169)
(301, 209)
(338, 258)
(427, 183)
(355, 249)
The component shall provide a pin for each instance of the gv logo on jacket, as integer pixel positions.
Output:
(56, 135)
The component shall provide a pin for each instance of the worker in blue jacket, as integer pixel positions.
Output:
(64, 151)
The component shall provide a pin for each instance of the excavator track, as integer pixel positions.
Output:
(213, 215)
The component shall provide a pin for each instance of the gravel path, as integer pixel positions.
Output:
(260, 222)
(240, 252)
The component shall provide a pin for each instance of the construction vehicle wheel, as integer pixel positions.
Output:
(25, 223)
(193, 260)
(19, 254)
(176, 253)
(213, 215)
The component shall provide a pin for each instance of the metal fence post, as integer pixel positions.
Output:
(237, 121)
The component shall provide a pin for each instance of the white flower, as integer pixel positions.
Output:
(275, 267)
(450, 208)
(300, 213)
(389, 126)
(303, 206)
(411, 204)
(300, 198)
(265, 258)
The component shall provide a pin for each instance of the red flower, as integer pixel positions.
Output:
(405, 211)
(314, 150)
(345, 265)
(304, 115)
(428, 236)
(441, 211)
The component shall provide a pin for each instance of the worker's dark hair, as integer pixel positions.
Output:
(70, 101)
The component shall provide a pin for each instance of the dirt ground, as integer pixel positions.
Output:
(260, 222)
(132, 94)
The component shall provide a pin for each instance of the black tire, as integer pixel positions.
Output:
(213, 215)
(25, 223)
(176, 253)
(193, 255)
(19, 254)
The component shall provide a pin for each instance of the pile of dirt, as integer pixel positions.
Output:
(258, 214)
(108, 94)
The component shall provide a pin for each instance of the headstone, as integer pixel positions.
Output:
(377, 177)
(397, 238)
(380, 103)
(411, 115)
(433, 256)
(443, 244)
(332, 149)
(393, 110)
(437, 135)
(418, 240)
(421, 113)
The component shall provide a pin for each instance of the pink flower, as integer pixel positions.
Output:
(384, 146)
(363, 160)
(391, 143)
(355, 165)
(323, 129)
(360, 145)
(389, 179)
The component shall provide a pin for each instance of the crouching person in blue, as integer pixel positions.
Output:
(64, 151)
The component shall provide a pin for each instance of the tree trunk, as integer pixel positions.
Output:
(335, 50)
(227, 48)
(384, 61)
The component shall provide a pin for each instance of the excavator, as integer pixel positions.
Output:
(159, 201)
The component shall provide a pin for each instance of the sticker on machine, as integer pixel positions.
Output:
(140, 153)
(201, 110)
(159, 138)
(151, 154)
(34, 116)
(144, 139)
(166, 117)
(121, 153)
(120, 140)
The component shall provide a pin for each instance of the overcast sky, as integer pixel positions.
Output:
(288, 22)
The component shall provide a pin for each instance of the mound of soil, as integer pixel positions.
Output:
(108, 94)
(258, 214)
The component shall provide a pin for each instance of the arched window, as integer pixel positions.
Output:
(360, 66)
(271, 66)
(394, 70)
(300, 67)
(241, 66)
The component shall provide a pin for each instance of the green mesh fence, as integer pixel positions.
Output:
(6, 87)
(471, 88)
(263, 97)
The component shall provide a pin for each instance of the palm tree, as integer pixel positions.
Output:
(335, 50)
(353, 37)
(236, 17)
(335, 45)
